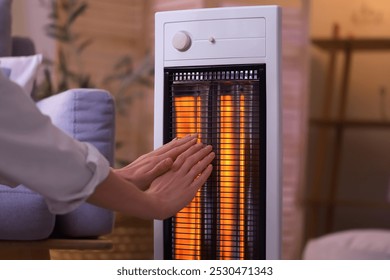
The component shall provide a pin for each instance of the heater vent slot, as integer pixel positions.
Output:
(225, 106)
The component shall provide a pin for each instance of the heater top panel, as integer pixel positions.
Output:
(225, 35)
(214, 39)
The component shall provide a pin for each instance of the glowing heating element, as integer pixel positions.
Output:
(187, 121)
(226, 109)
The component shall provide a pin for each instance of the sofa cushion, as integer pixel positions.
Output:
(5, 28)
(24, 215)
(87, 221)
(89, 116)
(359, 244)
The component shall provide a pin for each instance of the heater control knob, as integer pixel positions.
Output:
(181, 41)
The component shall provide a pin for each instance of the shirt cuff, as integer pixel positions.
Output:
(99, 167)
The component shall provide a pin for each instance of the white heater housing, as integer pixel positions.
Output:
(226, 37)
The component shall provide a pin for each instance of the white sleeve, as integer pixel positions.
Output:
(37, 154)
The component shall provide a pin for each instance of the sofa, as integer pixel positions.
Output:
(85, 114)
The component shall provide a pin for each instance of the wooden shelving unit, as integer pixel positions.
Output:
(327, 124)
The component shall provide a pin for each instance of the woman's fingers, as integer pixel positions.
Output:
(175, 143)
(196, 159)
(202, 163)
(185, 155)
(170, 150)
(201, 179)
(159, 168)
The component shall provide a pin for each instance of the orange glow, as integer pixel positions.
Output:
(227, 172)
(231, 152)
(242, 175)
(187, 241)
(232, 179)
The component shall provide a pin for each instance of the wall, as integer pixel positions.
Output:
(28, 19)
(362, 196)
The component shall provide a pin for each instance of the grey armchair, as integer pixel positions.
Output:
(87, 115)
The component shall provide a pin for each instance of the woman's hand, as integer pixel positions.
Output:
(175, 189)
(148, 167)
(168, 193)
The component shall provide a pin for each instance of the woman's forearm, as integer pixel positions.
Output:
(119, 195)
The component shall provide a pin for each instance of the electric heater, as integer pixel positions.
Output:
(217, 74)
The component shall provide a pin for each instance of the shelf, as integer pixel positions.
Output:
(349, 203)
(351, 123)
(361, 44)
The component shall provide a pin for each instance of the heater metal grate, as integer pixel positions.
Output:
(225, 106)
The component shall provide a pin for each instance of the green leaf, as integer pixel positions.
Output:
(84, 45)
(65, 4)
(57, 32)
(51, 5)
(63, 68)
(124, 62)
(73, 15)
(85, 82)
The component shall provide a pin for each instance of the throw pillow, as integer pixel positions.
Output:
(22, 70)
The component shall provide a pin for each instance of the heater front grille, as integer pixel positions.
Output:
(225, 106)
